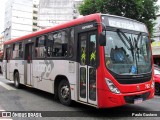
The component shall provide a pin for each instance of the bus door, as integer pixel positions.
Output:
(87, 67)
(7, 66)
(28, 63)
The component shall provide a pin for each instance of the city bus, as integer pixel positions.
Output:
(99, 60)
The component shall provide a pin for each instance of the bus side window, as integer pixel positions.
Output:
(20, 50)
(1, 56)
(57, 44)
(40, 49)
(17, 50)
(8, 54)
(71, 43)
(50, 44)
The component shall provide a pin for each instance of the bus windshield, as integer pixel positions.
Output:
(127, 53)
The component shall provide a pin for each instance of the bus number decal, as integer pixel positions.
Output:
(147, 86)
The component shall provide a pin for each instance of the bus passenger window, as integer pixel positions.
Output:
(17, 50)
(71, 43)
(8, 54)
(20, 50)
(57, 44)
(50, 44)
(40, 47)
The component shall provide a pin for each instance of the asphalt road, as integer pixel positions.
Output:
(29, 99)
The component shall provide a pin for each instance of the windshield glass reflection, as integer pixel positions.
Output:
(127, 53)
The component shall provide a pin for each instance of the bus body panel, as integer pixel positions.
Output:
(19, 66)
(115, 100)
(108, 99)
(45, 72)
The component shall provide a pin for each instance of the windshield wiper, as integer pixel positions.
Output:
(131, 47)
(133, 44)
(136, 43)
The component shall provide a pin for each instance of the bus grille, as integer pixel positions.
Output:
(131, 98)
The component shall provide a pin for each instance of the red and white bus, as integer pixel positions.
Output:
(100, 60)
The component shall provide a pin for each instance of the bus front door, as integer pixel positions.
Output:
(87, 67)
(28, 63)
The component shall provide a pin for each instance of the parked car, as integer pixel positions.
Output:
(157, 80)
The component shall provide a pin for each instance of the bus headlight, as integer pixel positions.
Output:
(112, 87)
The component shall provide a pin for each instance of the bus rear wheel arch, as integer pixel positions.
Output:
(64, 92)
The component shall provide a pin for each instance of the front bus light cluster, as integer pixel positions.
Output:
(112, 87)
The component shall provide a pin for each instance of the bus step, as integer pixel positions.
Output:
(29, 85)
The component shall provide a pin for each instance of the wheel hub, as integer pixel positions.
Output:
(65, 92)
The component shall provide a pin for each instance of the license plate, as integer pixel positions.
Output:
(138, 100)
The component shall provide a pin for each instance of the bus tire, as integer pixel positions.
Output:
(157, 88)
(16, 80)
(64, 93)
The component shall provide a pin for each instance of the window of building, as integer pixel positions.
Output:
(34, 18)
(35, 24)
(35, 12)
(34, 29)
(57, 44)
(40, 47)
(35, 6)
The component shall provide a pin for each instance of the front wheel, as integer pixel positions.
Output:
(64, 93)
(16, 80)
(157, 89)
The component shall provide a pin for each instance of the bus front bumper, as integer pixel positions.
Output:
(109, 99)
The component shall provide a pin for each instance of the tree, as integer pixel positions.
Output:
(141, 10)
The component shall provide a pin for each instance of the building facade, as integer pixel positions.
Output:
(53, 12)
(35, 17)
(156, 43)
(18, 18)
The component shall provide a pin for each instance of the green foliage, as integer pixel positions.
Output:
(141, 10)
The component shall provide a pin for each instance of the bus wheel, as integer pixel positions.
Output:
(157, 89)
(16, 80)
(64, 93)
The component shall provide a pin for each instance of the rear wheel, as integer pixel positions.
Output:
(157, 88)
(64, 93)
(16, 80)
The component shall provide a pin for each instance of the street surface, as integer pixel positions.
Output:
(29, 99)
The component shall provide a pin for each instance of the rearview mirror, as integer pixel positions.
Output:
(102, 39)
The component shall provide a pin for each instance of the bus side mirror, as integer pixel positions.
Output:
(102, 39)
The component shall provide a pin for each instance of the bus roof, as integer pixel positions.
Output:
(74, 22)
(77, 21)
